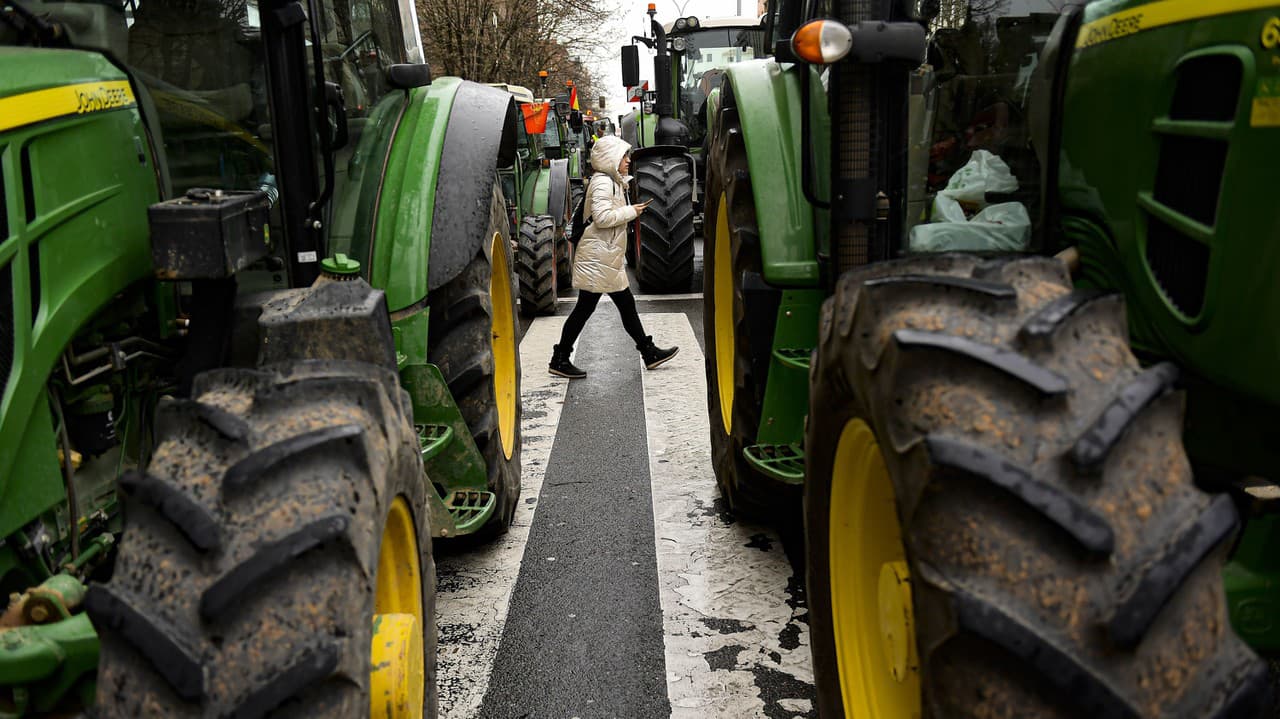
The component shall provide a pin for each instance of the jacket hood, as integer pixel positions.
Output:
(607, 153)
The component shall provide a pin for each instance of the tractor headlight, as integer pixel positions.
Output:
(681, 24)
(678, 44)
(693, 22)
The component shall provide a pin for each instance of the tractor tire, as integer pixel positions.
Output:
(665, 253)
(248, 573)
(734, 408)
(1047, 553)
(536, 266)
(484, 383)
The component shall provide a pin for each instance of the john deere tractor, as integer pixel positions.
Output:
(537, 191)
(257, 349)
(993, 286)
(668, 132)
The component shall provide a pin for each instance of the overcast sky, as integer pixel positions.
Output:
(634, 20)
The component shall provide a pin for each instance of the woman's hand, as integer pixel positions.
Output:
(640, 208)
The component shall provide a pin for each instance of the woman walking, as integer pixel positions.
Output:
(599, 264)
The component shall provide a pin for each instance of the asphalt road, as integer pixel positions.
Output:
(624, 588)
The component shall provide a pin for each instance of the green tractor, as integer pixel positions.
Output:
(668, 133)
(537, 188)
(971, 290)
(257, 349)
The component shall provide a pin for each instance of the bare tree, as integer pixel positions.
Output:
(511, 40)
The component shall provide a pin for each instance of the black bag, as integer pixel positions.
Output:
(577, 226)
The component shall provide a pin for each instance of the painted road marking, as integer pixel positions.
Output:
(688, 296)
(474, 586)
(733, 614)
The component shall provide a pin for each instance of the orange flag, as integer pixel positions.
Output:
(535, 117)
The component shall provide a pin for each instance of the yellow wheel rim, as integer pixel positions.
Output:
(397, 676)
(870, 585)
(504, 346)
(723, 294)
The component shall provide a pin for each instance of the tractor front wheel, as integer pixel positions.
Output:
(536, 265)
(276, 558)
(1000, 517)
(473, 342)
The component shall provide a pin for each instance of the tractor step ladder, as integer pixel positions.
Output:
(783, 462)
(469, 507)
(433, 438)
(794, 357)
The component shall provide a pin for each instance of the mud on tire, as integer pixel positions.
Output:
(244, 584)
(1062, 562)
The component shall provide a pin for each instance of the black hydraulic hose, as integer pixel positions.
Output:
(68, 474)
(322, 110)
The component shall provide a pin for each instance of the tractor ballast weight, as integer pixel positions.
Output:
(946, 384)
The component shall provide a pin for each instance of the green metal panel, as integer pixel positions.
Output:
(1252, 580)
(85, 225)
(402, 235)
(786, 394)
(537, 185)
(1128, 224)
(768, 105)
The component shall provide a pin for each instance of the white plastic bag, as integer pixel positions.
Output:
(1004, 227)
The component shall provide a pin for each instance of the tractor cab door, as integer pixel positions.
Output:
(234, 87)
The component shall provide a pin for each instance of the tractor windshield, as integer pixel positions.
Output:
(705, 55)
(973, 96)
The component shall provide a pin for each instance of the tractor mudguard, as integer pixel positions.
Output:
(481, 138)
(558, 189)
(427, 229)
(641, 153)
(771, 130)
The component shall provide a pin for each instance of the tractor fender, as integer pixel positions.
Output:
(433, 204)
(771, 131)
(480, 139)
(558, 190)
(641, 153)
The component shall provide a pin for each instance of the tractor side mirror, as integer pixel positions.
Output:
(631, 65)
(575, 121)
(407, 76)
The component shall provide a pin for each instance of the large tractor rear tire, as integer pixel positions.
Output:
(536, 265)
(1001, 520)
(665, 255)
(275, 548)
(473, 342)
(735, 388)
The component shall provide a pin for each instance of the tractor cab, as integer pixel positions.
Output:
(702, 49)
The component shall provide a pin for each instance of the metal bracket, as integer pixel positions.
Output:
(878, 41)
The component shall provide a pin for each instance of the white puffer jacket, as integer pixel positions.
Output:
(599, 263)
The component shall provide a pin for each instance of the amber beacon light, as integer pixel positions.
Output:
(822, 42)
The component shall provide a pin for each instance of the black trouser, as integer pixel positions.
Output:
(587, 302)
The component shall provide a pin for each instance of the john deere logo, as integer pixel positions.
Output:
(102, 98)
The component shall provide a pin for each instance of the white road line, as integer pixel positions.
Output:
(723, 584)
(475, 586)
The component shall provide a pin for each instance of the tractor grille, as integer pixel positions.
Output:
(6, 325)
(1208, 89)
(1180, 265)
(1189, 178)
(6, 300)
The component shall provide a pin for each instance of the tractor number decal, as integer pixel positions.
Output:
(79, 99)
(1271, 34)
(1161, 13)
(1266, 103)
